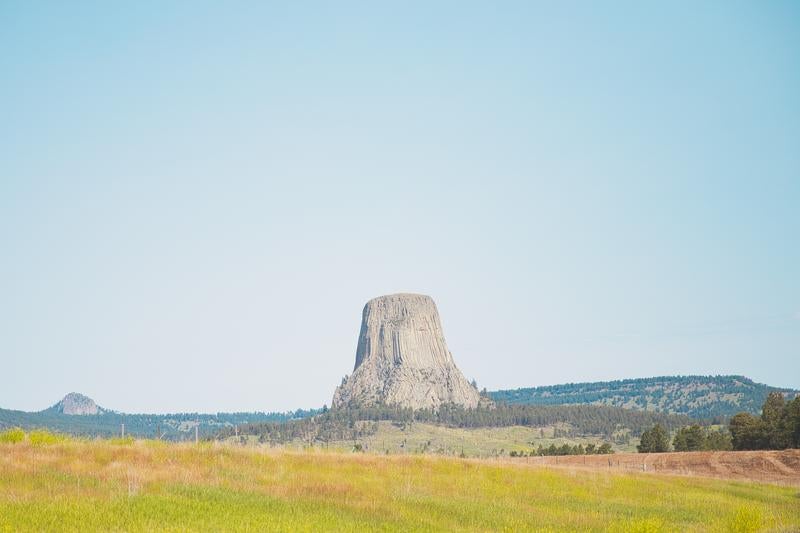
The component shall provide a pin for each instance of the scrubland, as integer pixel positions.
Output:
(394, 438)
(60, 484)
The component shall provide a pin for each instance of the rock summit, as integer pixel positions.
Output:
(402, 359)
(77, 404)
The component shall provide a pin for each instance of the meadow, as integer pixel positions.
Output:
(419, 437)
(52, 483)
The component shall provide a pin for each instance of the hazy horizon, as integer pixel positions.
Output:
(197, 199)
(111, 408)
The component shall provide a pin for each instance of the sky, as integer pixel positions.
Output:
(197, 198)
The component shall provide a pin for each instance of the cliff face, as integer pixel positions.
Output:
(402, 358)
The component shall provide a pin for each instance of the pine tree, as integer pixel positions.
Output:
(747, 432)
(718, 440)
(773, 417)
(793, 421)
(690, 439)
(654, 440)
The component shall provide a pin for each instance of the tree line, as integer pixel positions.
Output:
(566, 449)
(692, 438)
(176, 426)
(777, 428)
(352, 423)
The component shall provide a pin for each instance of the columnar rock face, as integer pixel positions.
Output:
(402, 359)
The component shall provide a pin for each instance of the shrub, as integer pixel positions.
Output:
(42, 437)
(604, 449)
(12, 436)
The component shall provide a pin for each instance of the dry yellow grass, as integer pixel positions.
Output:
(147, 486)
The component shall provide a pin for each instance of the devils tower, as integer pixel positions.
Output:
(402, 358)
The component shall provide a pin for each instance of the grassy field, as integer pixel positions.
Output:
(59, 484)
(473, 442)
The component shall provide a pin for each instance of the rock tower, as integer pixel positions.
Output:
(402, 358)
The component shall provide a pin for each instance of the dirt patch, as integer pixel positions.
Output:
(768, 466)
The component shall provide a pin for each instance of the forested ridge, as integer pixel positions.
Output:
(598, 409)
(177, 426)
(696, 396)
(351, 424)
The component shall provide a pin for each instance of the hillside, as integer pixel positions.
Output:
(176, 426)
(604, 409)
(613, 424)
(419, 437)
(695, 396)
(70, 416)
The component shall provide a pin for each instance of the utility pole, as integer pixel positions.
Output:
(122, 431)
(196, 434)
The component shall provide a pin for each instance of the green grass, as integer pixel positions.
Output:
(42, 437)
(12, 435)
(151, 486)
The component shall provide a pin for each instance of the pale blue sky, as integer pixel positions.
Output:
(197, 199)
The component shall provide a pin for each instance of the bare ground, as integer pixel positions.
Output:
(770, 466)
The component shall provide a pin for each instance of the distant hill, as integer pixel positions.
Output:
(700, 397)
(77, 414)
(695, 396)
(75, 403)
